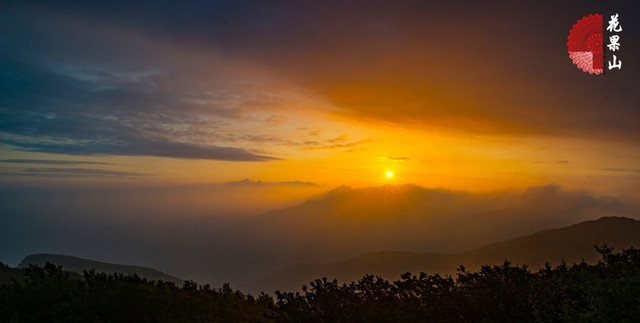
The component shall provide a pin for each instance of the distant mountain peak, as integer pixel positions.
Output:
(612, 219)
(78, 265)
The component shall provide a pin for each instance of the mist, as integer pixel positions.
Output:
(223, 232)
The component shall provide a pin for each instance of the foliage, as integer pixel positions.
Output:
(608, 291)
(50, 294)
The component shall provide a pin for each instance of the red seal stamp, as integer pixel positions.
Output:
(585, 44)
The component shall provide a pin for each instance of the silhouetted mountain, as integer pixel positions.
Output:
(340, 224)
(351, 221)
(572, 244)
(78, 265)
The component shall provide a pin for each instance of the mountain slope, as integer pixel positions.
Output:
(8, 274)
(78, 265)
(335, 226)
(572, 244)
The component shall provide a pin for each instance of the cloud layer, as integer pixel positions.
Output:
(124, 100)
(200, 80)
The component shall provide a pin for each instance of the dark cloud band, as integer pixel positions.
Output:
(69, 172)
(143, 147)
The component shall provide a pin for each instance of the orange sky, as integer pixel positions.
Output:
(322, 95)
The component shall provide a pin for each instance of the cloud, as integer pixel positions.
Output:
(51, 162)
(85, 114)
(70, 172)
(417, 64)
(118, 82)
(397, 159)
(131, 102)
(143, 147)
(339, 142)
(253, 183)
(557, 162)
(332, 144)
(621, 170)
(45, 111)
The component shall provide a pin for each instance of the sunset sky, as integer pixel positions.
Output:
(473, 96)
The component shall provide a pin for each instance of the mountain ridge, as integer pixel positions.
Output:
(571, 244)
(78, 265)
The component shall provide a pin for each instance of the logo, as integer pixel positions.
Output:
(586, 47)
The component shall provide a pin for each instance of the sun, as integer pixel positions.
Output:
(389, 174)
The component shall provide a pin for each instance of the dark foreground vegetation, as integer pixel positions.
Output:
(608, 291)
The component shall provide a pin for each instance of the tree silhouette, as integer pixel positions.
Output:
(608, 291)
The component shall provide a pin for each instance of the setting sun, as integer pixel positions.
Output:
(389, 174)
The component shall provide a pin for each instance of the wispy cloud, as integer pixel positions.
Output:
(143, 147)
(57, 113)
(69, 172)
(51, 162)
(76, 103)
(337, 143)
(340, 142)
(558, 162)
(621, 170)
(252, 183)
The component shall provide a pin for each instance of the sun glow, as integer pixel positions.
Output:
(389, 174)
